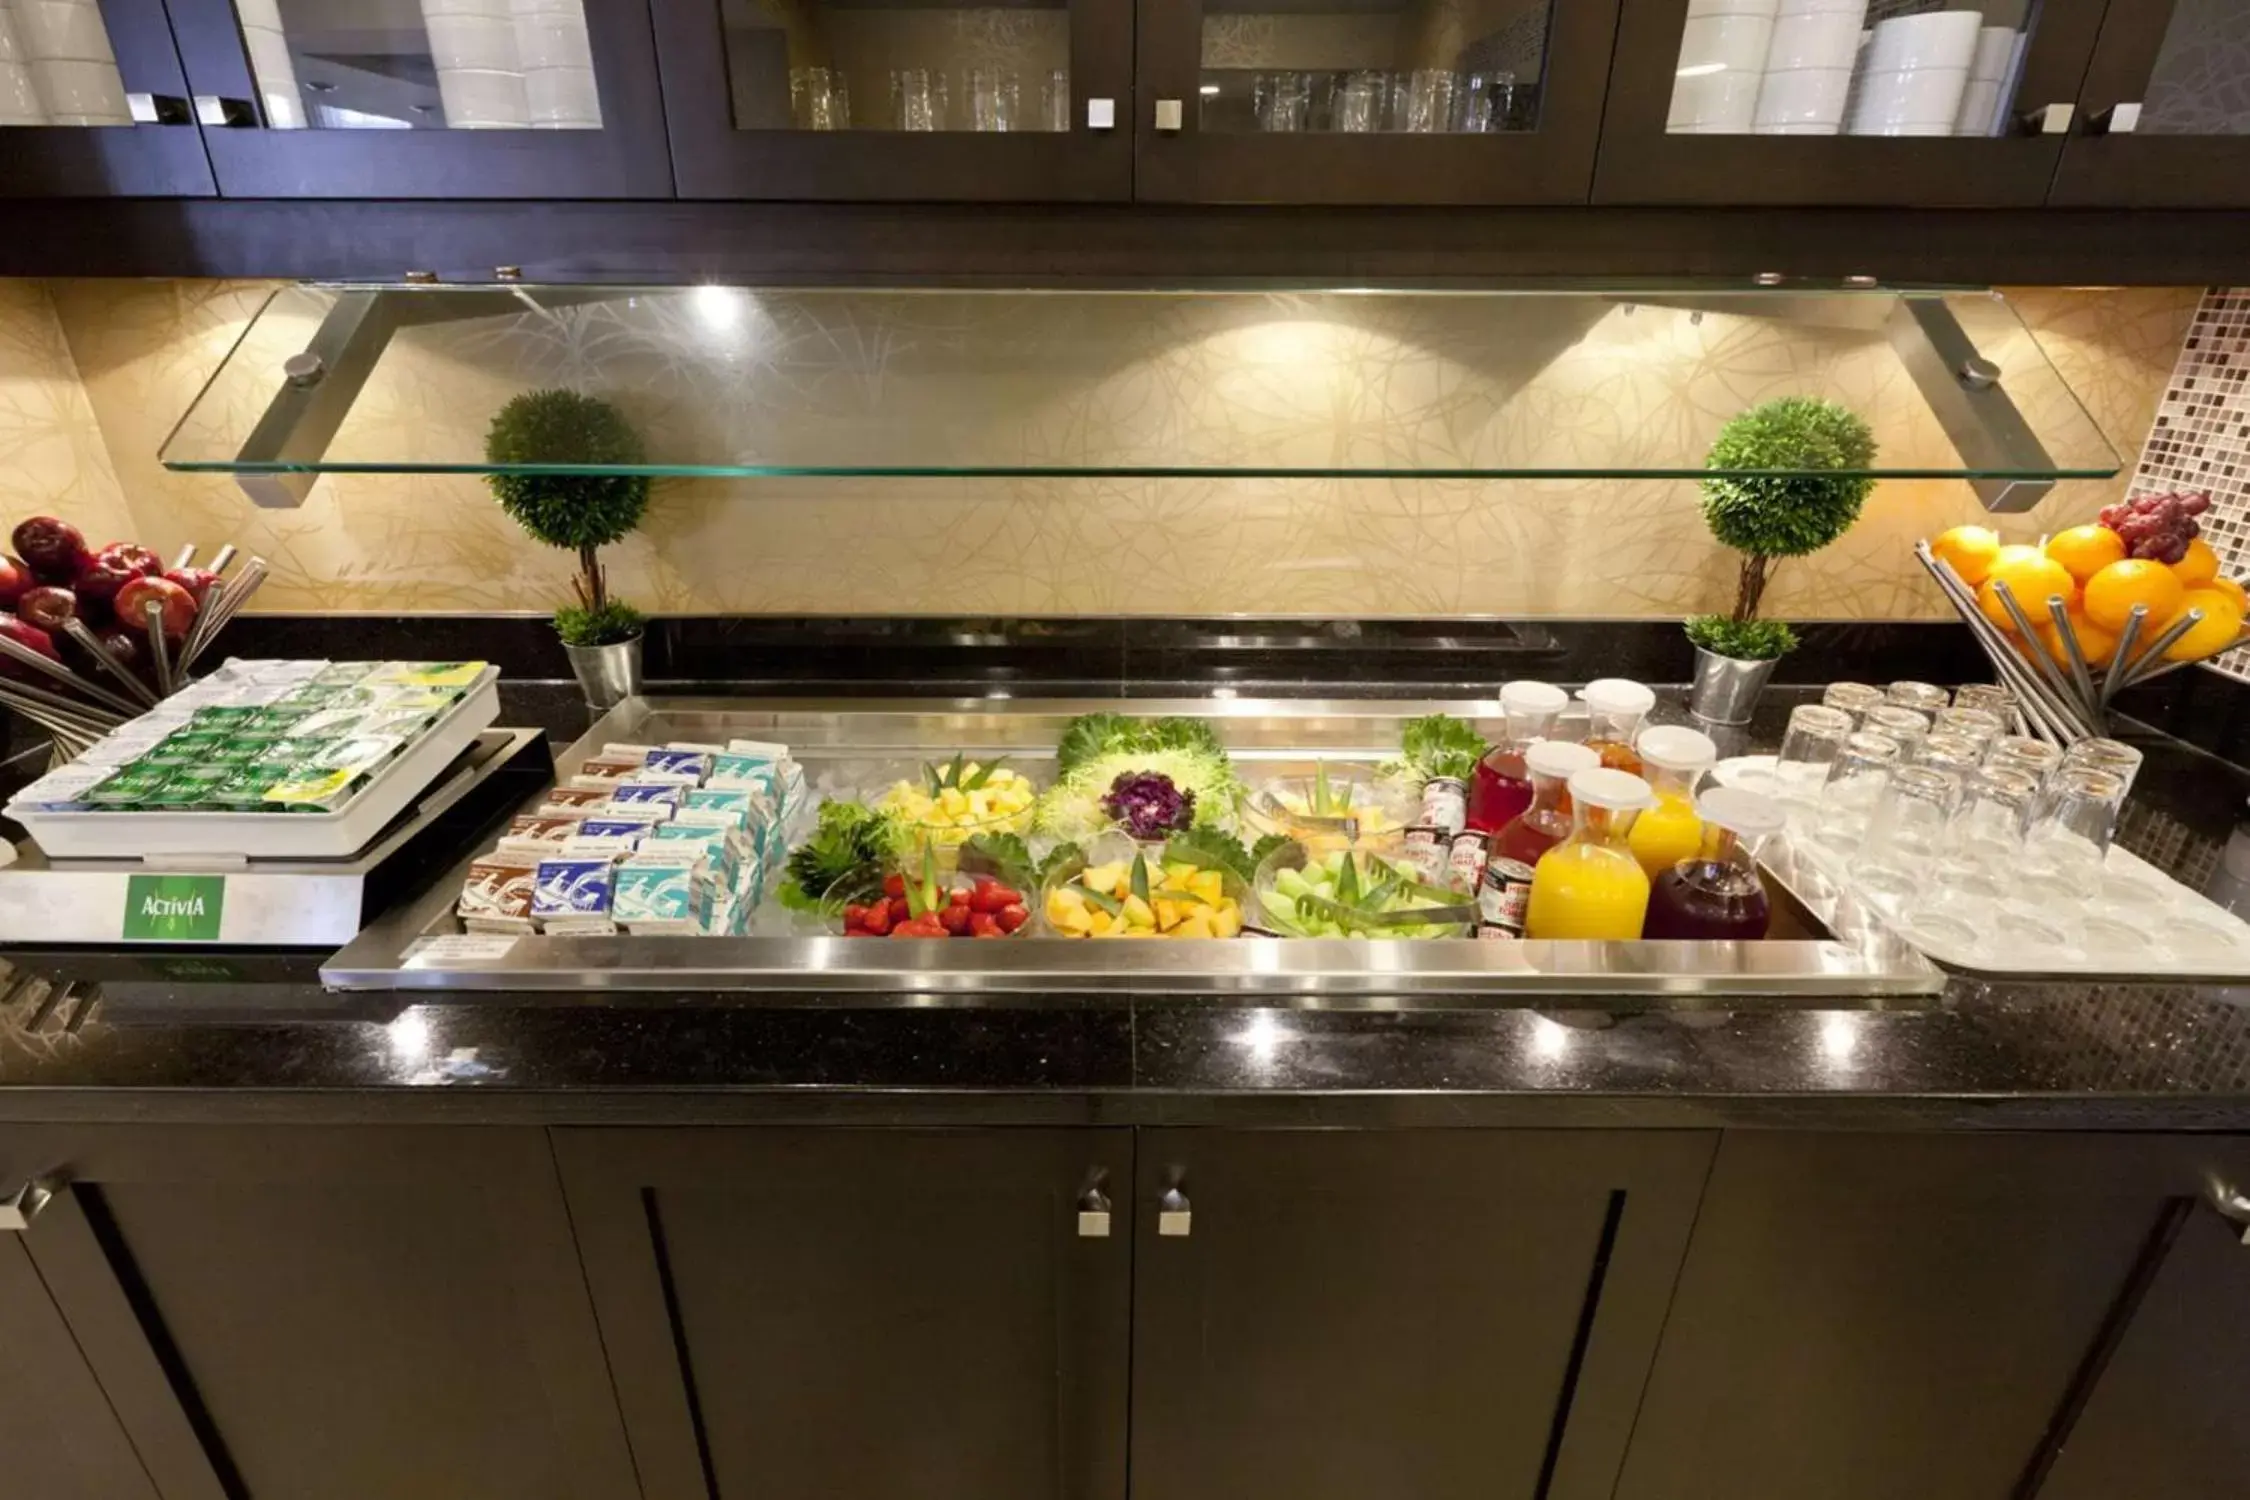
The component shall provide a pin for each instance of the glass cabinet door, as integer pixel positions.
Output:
(1908, 102)
(2166, 117)
(892, 99)
(93, 103)
(1371, 101)
(426, 98)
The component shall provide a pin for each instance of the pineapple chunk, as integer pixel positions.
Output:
(1196, 925)
(1210, 885)
(1137, 913)
(1100, 922)
(1168, 914)
(1226, 919)
(1104, 878)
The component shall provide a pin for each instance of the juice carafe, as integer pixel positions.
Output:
(1715, 894)
(1501, 788)
(1672, 757)
(1546, 822)
(1590, 886)
(1614, 710)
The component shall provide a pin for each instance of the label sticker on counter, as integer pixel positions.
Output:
(174, 908)
(460, 947)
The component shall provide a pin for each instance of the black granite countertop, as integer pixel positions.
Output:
(253, 1037)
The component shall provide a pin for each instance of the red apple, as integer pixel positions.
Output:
(135, 556)
(14, 579)
(177, 603)
(127, 647)
(104, 574)
(55, 549)
(48, 607)
(24, 634)
(197, 581)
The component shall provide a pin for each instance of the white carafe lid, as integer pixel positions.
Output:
(1745, 814)
(1560, 759)
(1675, 747)
(1617, 696)
(1524, 696)
(1619, 791)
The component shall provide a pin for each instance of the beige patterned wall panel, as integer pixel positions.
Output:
(1393, 379)
(52, 461)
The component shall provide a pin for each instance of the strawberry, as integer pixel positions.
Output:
(876, 920)
(1013, 916)
(955, 920)
(902, 910)
(958, 898)
(894, 885)
(857, 932)
(990, 898)
(854, 915)
(984, 925)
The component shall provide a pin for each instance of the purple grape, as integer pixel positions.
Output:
(2196, 505)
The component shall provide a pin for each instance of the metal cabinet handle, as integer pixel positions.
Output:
(1093, 1214)
(2047, 119)
(2118, 119)
(159, 109)
(20, 1207)
(2233, 1206)
(1171, 116)
(215, 110)
(1175, 1217)
(1101, 114)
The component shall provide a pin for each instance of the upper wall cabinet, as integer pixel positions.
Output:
(2166, 116)
(1371, 101)
(1879, 102)
(426, 98)
(1025, 100)
(93, 103)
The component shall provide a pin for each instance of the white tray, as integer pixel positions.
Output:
(276, 835)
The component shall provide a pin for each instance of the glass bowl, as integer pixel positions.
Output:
(1183, 901)
(1354, 891)
(1335, 805)
(944, 805)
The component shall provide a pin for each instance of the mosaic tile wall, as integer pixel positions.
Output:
(2201, 439)
(135, 353)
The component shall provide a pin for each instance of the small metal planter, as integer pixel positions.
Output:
(1726, 689)
(608, 674)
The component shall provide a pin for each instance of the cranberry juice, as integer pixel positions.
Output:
(1500, 790)
(1706, 901)
(1528, 837)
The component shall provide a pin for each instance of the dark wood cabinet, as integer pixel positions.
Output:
(931, 100)
(60, 1438)
(356, 104)
(1875, 1316)
(863, 1312)
(149, 147)
(1391, 102)
(2163, 121)
(342, 1312)
(1423, 1315)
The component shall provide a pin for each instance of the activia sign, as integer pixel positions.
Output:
(174, 908)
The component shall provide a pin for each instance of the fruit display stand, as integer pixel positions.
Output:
(426, 945)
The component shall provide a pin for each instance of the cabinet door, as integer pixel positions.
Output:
(1863, 1317)
(93, 104)
(427, 98)
(885, 1313)
(1371, 101)
(847, 100)
(2165, 1416)
(1740, 104)
(1420, 1315)
(340, 1312)
(2165, 121)
(60, 1438)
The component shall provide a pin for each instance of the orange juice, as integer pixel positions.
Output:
(1666, 834)
(1591, 887)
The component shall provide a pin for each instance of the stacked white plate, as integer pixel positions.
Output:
(1722, 60)
(67, 48)
(1915, 71)
(1988, 73)
(1808, 74)
(19, 97)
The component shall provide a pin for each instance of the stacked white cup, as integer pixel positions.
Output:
(1916, 70)
(19, 96)
(480, 76)
(1980, 101)
(1722, 60)
(1809, 67)
(558, 65)
(271, 64)
(67, 48)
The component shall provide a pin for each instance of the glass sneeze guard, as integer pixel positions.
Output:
(747, 383)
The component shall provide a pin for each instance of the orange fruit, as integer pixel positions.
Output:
(2199, 567)
(2086, 550)
(2232, 590)
(1970, 550)
(2221, 623)
(2112, 593)
(2032, 577)
(2094, 643)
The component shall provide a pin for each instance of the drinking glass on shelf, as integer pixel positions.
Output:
(1904, 725)
(1856, 779)
(1922, 697)
(1480, 102)
(818, 99)
(1989, 696)
(993, 99)
(1808, 748)
(1854, 698)
(1359, 103)
(2020, 752)
(1975, 724)
(917, 99)
(2114, 756)
(1282, 101)
(1953, 753)
(1984, 842)
(2069, 836)
(1054, 101)
(1428, 101)
(1906, 832)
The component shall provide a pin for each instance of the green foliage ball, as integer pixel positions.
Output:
(604, 625)
(1743, 640)
(562, 427)
(1787, 515)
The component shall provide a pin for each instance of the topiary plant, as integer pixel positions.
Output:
(604, 624)
(1743, 640)
(580, 512)
(1797, 508)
